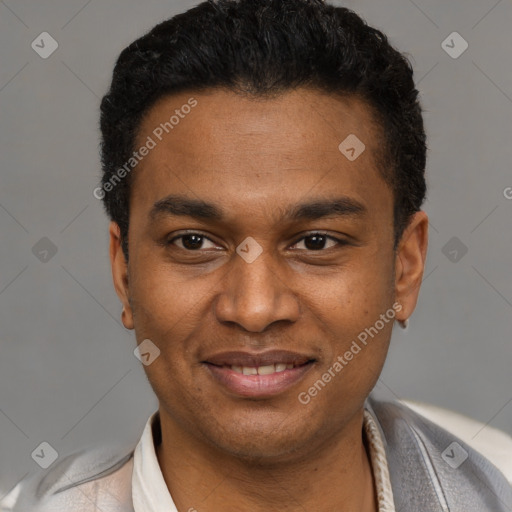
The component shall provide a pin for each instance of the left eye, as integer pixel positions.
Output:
(317, 241)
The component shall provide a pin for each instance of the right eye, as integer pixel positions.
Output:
(190, 241)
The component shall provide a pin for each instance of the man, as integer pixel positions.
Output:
(264, 174)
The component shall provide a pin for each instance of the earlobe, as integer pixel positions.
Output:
(126, 318)
(119, 268)
(410, 264)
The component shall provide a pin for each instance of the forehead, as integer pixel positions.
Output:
(228, 147)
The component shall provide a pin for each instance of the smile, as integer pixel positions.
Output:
(258, 376)
(262, 370)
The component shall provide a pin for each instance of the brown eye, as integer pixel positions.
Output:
(318, 241)
(191, 242)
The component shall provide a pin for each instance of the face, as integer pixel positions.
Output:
(259, 254)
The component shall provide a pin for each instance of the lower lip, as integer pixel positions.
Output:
(258, 386)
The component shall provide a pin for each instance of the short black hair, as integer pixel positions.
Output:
(265, 48)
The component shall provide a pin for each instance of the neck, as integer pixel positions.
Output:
(336, 477)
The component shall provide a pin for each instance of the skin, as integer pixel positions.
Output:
(254, 158)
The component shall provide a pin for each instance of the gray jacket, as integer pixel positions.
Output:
(424, 470)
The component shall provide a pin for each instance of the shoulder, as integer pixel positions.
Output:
(493, 444)
(434, 456)
(87, 481)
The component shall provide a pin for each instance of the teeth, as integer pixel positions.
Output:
(266, 370)
(262, 370)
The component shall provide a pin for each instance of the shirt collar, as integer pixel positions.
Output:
(375, 441)
(150, 492)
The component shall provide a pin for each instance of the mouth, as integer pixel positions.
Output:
(258, 375)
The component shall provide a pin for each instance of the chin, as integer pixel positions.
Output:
(264, 455)
(263, 443)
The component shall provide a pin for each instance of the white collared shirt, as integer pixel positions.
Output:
(150, 492)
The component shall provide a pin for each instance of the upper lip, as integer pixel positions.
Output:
(240, 358)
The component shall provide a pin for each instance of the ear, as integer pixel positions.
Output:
(410, 263)
(120, 274)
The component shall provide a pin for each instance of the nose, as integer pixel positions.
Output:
(255, 295)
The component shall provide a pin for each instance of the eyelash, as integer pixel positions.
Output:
(313, 233)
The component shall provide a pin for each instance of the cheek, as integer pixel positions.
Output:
(364, 288)
(163, 299)
(355, 303)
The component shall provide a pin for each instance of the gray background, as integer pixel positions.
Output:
(68, 375)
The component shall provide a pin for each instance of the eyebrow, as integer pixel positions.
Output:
(177, 205)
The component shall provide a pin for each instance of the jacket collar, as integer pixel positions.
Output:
(422, 479)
